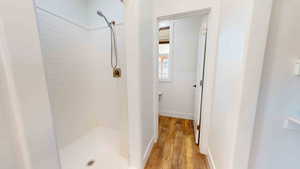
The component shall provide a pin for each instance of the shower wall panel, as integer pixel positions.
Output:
(82, 92)
(75, 10)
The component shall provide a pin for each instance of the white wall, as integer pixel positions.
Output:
(8, 154)
(65, 50)
(72, 9)
(168, 7)
(243, 32)
(8, 146)
(82, 91)
(139, 52)
(28, 85)
(178, 94)
(234, 22)
(273, 146)
(83, 12)
(146, 76)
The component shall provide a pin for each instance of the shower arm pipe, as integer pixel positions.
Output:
(107, 22)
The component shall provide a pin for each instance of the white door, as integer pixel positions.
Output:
(199, 81)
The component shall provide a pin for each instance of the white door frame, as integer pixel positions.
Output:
(209, 71)
(201, 58)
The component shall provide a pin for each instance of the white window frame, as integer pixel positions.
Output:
(170, 54)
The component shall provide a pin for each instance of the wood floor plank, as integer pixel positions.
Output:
(175, 148)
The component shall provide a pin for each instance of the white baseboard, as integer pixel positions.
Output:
(148, 151)
(211, 160)
(181, 115)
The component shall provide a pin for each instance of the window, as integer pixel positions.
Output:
(163, 62)
(164, 54)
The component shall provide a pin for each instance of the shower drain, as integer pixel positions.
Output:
(90, 163)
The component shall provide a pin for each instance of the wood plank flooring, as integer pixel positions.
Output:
(176, 148)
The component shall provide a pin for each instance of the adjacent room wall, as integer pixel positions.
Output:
(273, 146)
(167, 7)
(178, 93)
(8, 154)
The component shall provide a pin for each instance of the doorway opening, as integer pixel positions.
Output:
(181, 67)
(181, 74)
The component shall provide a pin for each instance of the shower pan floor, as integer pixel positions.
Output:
(99, 149)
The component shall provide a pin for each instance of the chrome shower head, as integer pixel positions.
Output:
(100, 13)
